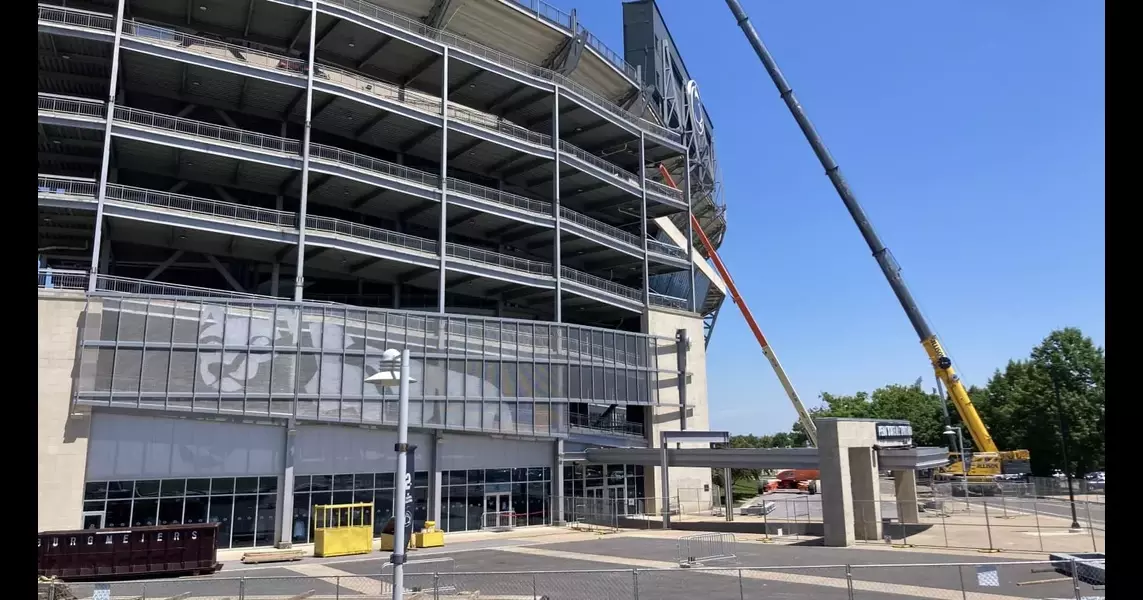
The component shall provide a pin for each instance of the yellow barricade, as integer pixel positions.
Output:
(343, 529)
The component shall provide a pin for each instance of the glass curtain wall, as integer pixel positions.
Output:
(479, 498)
(377, 488)
(243, 507)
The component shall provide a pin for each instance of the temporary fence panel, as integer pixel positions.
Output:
(703, 548)
(343, 529)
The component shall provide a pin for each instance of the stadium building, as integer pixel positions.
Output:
(244, 203)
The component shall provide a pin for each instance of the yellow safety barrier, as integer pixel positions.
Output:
(429, 537)
(343, 529)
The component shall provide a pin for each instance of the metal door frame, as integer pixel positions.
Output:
(91, 513)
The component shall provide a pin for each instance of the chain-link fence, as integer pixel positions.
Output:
(1070, 578)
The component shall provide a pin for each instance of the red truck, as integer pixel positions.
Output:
(794, 480)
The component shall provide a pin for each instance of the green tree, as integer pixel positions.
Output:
(909, 402)
(1021, 410)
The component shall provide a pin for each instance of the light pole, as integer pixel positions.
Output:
(402, 507)
(1064, 437)
(963, 459)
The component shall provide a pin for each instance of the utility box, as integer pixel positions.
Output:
(343, 529)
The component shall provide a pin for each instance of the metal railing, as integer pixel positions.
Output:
(373, 234)
(375, 12)
(599, 163)
(78, 18)
(608, 54)
(599, 226)
(553, 15)
(1070, 578)
(697, 549)
(70, 105)
(62, 279)
(127, 285)
(609, 424)
(668, 301)
(497, 124)
(66, 186)
(668, 249)
(460, 186)
(500, 260)
(368, 163)
(601, 283)
(212, 47)
(201, 206)
(664, 190)
(229, 135)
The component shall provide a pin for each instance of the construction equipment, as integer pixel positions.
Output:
(803, 415)
(988, 461)
(798, 480)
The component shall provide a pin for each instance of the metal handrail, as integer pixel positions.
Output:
(668, 301)
(553, 15)
(127, 285)
(62, 279)
(213, 47)
(608, 54)
(609, 424)
(498, 259)
(201, 206)
(71, 105)
(363, 161)
(374, 234)
(79, 18)
(66, 186)
(497, 124)
(601, 283)
(230, 135)
(664, 190)
(668, 249)
(449, 39)
(599, 226)
(460, 186)
(604, 165)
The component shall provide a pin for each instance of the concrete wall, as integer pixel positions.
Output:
(61, 451)
(692, 487)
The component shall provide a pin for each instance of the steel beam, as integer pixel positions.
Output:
(106, 161)
(299, 273)
(443, 239)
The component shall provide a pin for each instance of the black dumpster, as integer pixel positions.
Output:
(129, 552)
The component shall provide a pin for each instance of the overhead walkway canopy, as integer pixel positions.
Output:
(896, 459)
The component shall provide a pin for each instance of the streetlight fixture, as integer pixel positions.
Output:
(402, 502)
(959, 433)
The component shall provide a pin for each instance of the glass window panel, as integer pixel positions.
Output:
(382, 510)
(420, 479)
(195, 509)
(491, 416)
(342, 497)
(95, 490)
(92, 506)
(519, 475)
(420, 507)
(170, 511)
(197, 487)
(322, 483)
(434, 412)
(454, 415)
(495, 475)
(363, 495)
(264, 528)
(267, 485)
(221, 512)
(245, 485)
(491, 381)
(301, 518)
(508, 417)
(475, 508)
(436, 380)
(524, 416)
(120, 489)
(221, 485)
(473, 381)
(508, 380)
(245, 513)
(118, 514)
(144, 512)
(537, 505)
(342, 483)
(173, 487)
(525, 378)
(536, 474)
(384, 480)
(454, 478)
(363, 481)
(147, 488)
(475, 476)
(472, 413)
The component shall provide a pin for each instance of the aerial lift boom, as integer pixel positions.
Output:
(803, 415)
(941, 362)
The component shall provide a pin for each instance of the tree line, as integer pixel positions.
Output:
(1027, 405)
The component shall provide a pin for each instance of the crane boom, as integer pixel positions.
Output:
(803, 415)
(941, 362)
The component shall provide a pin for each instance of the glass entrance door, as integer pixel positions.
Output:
(617, 498)
(498, 510)
(93, 520)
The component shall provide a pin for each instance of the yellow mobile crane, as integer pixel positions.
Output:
(988, 461)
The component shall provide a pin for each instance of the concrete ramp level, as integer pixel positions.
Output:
(909, 459)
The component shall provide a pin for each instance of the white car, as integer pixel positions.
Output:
(762, 508)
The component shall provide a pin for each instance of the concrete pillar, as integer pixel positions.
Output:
(435, 478)
(905, 489)
(837, 501)
(557, 495)
(285, 517)
(866, 489)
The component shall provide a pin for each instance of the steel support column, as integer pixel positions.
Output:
(442, 241)
(286, 499)
(558, 251)
(643, 219)
(558, 483)
(299, 276)
(435, 478)
(101, 195)
(693, 303)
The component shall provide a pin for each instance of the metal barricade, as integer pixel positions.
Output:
(703, 548)
(504, 520)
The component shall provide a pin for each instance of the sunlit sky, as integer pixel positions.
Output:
(972, 133)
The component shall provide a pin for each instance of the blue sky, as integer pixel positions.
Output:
(972, 133)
